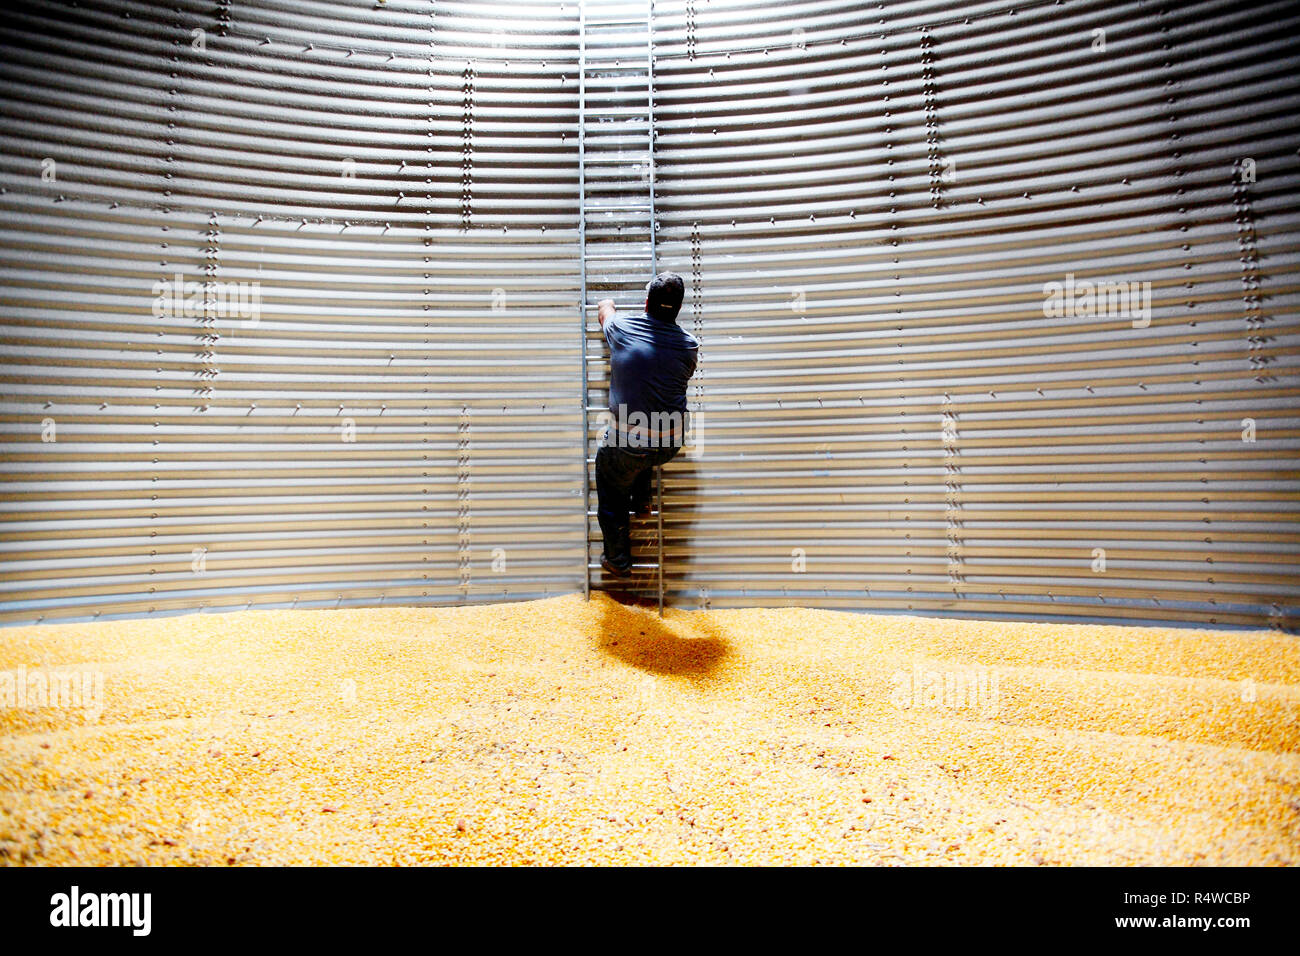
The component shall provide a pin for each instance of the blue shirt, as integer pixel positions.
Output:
(650, 363)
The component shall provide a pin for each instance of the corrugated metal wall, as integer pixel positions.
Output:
(398, 421)
(869, 203)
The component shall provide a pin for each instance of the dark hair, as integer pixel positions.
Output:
(664, 296)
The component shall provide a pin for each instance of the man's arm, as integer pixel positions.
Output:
(604, 309)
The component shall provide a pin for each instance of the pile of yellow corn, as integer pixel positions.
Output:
(562, 731)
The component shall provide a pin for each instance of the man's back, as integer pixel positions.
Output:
(651, 362)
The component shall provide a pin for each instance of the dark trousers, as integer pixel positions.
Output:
(623, 484)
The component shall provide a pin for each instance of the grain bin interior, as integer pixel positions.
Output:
(998, 320)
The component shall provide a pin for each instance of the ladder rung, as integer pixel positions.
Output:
(624, 255)
(635, 567)
(605, 207)
(607, 21)
(611, 160)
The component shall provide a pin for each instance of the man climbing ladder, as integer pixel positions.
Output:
(651, 360)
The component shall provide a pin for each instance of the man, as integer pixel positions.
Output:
(650, 361)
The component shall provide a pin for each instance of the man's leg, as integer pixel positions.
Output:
(642, 492)
(662, 456)
(616, 472)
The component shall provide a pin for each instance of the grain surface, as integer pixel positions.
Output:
(562, 731)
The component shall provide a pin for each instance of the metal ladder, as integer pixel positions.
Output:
(616, 233)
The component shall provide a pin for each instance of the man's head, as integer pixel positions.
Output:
(664, 293)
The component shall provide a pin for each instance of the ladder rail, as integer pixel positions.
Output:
(659, 531)
(654, 260)
(650, 126)
(582, 300)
